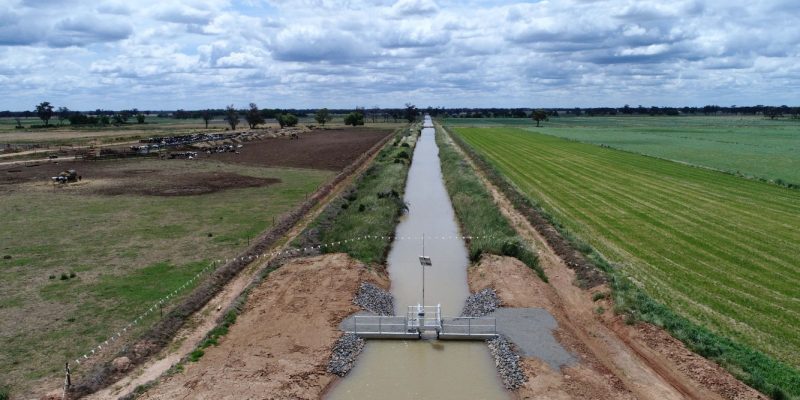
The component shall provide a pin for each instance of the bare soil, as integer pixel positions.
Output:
(617, 360)
(280, 345)
(330, 149)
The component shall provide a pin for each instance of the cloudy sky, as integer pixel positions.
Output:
(167, 54)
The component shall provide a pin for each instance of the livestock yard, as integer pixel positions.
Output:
(82, 260)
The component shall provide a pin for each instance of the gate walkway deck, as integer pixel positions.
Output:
(419, 320)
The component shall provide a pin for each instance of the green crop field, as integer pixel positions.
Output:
(79, 266)
(746, 145)
(716, 248)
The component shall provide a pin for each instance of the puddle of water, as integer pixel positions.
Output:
(426, 369)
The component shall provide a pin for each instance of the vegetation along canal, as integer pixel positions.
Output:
(425, 369)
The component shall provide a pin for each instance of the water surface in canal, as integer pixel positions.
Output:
(426, 369)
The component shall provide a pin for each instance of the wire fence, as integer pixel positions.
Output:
(157, 306)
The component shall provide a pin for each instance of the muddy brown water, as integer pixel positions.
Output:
(425, 369)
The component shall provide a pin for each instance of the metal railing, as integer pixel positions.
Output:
(380, 324)
(470, 326)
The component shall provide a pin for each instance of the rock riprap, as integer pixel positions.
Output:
(507, 362)
(374, 299)
(344, 354)
(481, 303)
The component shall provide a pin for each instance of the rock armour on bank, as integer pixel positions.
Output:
(344, 353)
(507, 363)
(481, 303)
(374, 299)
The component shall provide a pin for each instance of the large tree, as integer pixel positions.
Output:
(207, 115)
(45, 111)
(411, 112)
(323, 116)
(63, 113)
(354, 118)
(286, 119)
(254, 116)
(538, 116)
(232, 116)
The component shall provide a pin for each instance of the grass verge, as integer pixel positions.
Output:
(476, 211)
(371, 207)
(762, 372)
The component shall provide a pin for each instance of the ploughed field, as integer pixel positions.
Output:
(80, 261)
(716, 248)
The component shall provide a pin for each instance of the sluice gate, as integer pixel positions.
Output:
(420, 320)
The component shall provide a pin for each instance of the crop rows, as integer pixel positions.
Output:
(718, 249)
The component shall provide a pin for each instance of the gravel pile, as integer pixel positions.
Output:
(481, 303)
(507, 362)
(374, 299)
(344, 354)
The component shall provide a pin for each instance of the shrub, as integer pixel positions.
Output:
(196, 355)
(64, 276)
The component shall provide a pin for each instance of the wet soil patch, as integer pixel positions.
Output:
(187, 184)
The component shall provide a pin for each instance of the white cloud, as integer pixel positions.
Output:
(342, 53)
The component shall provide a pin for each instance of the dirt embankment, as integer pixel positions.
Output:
(280, 344)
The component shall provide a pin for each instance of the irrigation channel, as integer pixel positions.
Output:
(425, 369)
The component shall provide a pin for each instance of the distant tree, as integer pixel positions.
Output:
(104, 120)
(19, 122)
(232, 116)
(140, 118)
(411, 112)
(45, 111)
(354, 118)
(773, 112)
(538, 116)
(63, 113)
(374, 113)
(207, 115)
(323, 116)
(286, 119)
(253, 116)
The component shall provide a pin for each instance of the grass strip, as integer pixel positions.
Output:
(477, 213)
(371, 207)
(758, 370)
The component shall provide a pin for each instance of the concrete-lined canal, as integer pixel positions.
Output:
(426, 369)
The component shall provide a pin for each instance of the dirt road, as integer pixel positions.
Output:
(617, 360)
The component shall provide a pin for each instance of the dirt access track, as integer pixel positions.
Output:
(616, 360)
(280, 345)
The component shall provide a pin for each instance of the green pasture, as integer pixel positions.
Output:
(718, 249)
(118, 255)
(743, 145)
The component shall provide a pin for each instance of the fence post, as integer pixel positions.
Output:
(355, 325)
(67, 380)
(380, 324)
(469, 326)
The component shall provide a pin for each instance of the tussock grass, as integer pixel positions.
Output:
(477, 213)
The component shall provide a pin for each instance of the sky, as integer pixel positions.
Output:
(194, 54)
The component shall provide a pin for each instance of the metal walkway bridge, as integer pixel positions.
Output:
(420, 319)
